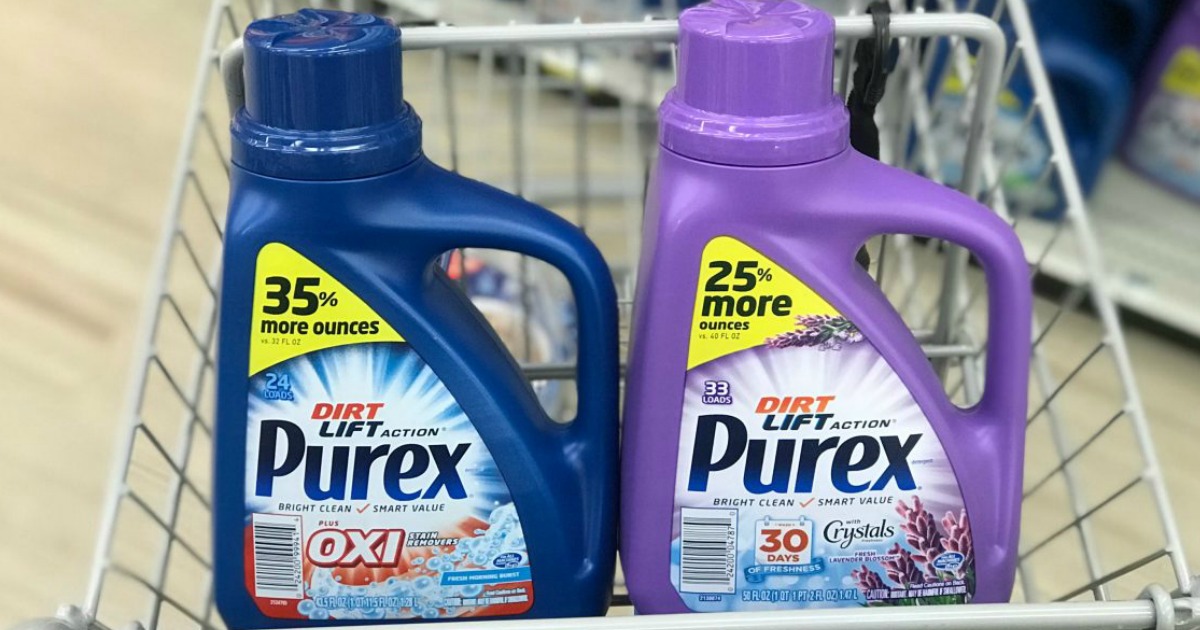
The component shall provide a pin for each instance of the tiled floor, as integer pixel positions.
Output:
(95, 94)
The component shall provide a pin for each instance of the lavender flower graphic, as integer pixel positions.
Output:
(824, 332)
(868, 581)
(915, 568)
(920, 530)
(903, 568)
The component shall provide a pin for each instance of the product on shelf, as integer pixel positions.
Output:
(787, 443)
(1090, 54)
(1093, 93)
(1124, 29)
(1164, 143)
(379, 455)
(1024, 148)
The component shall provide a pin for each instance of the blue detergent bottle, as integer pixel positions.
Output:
(1125, 30)
(379, 455)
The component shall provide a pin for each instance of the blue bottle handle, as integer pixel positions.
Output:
(515, 225)
(490, 219)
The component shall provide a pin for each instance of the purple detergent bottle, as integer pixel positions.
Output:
(1164, 142)
(787, 443)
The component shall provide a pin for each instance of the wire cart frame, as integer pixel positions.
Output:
(577, 138)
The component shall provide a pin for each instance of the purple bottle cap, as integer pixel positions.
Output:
(755, 86)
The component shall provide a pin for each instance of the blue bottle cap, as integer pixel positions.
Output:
(324, 98)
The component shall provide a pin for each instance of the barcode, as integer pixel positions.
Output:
(708, 551)
(278, 570)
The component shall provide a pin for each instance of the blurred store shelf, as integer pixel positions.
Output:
(1149, 238)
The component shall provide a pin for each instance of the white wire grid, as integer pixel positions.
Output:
(564, 115)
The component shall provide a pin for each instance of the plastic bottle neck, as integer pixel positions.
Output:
(325, 155)
(752, 140)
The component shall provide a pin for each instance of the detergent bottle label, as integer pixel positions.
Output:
(1166, 143)
(369, 492)
(807, 474)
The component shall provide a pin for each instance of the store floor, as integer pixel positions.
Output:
(95, 95)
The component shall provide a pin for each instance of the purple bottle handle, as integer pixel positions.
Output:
(919, 207)
(962, 221)
(986, 441)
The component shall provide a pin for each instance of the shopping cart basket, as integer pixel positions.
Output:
(563, 114)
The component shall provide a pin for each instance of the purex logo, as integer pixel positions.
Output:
(850, 464)
(409, 471)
